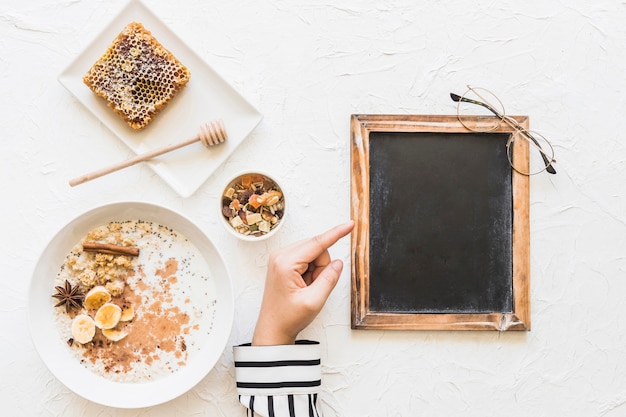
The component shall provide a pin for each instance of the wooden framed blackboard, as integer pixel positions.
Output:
(441, 237)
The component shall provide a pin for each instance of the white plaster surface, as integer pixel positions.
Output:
(308, 65)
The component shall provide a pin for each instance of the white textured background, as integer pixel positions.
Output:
(307, 65)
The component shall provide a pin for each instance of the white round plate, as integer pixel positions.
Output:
(64, 364)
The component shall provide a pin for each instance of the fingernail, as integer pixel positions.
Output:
(337, 265)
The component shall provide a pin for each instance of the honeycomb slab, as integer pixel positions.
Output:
(137, 76)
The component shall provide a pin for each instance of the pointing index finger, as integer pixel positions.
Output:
(309, 249)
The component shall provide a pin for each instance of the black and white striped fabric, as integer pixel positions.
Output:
(277, 381)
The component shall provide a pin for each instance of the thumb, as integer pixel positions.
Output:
(326, 280)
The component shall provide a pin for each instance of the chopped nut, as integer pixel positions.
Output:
(272, 197)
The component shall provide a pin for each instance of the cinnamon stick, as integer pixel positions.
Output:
(110, 249)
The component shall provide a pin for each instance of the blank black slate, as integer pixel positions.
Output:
(440, 223)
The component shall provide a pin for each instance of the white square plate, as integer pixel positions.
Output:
(206, 97)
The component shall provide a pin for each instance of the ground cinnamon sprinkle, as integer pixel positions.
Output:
(157, 329)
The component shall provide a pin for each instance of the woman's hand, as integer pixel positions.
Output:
(300, 277)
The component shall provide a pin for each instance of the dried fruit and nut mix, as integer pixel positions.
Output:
(253, 204)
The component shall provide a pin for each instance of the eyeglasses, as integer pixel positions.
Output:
(542, 152)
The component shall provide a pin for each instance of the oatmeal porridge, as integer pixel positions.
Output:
(133, 299)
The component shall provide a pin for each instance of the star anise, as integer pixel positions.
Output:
(68, 295)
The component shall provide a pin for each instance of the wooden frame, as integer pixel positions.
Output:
(361, 316)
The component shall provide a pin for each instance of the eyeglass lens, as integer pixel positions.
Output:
(479, 110)
(540, 155)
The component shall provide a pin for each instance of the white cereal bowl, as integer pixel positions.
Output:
(64, 364)
(225, 221)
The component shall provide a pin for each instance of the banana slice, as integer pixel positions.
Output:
(96, 297)
(108, 316)
(128, 313)
(83, 328)
(114, 335)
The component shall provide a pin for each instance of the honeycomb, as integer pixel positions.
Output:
(137, 76)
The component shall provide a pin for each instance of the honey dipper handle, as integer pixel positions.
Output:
(132, 161)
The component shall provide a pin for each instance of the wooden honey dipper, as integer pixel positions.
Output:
(210, 134)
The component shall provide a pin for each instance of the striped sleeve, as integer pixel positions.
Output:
(277, 381)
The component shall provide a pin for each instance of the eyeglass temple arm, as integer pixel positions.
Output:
(510, 122)
(457, 98)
